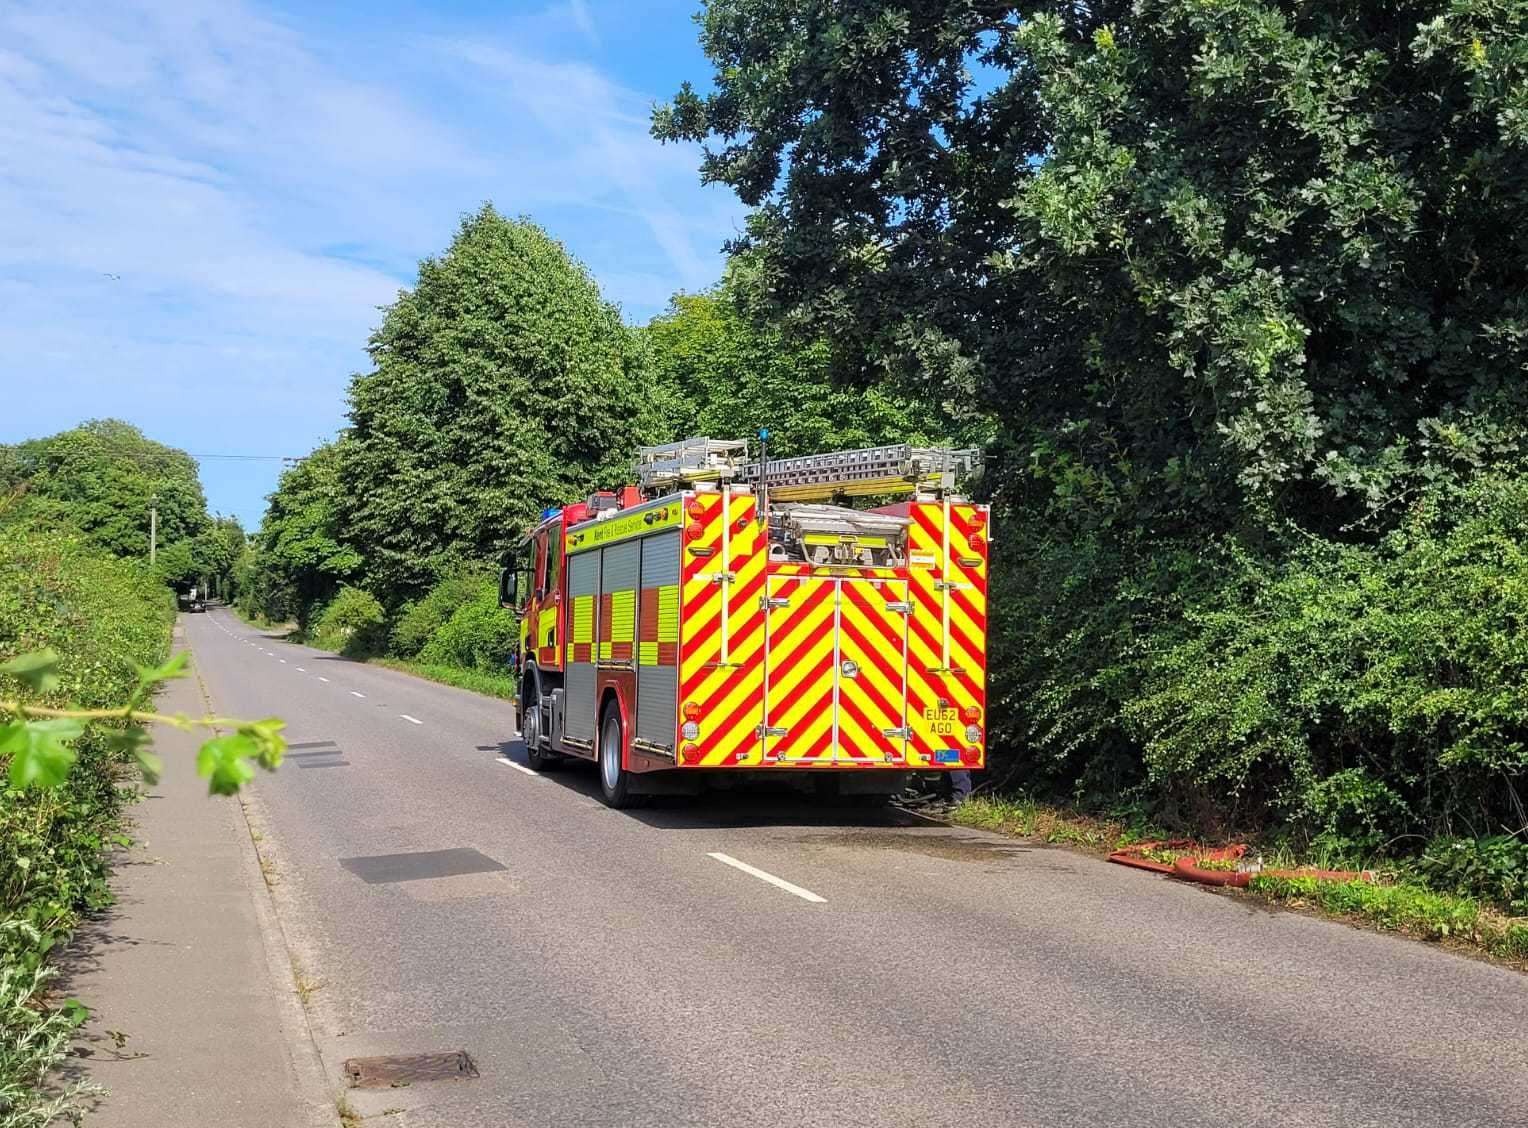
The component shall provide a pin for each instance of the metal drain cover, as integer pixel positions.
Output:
(408, 1069)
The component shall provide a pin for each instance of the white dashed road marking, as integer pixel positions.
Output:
(322, 678)
(353, 693)
(520, 768)
(299, 669)
(777, 882)
(411, 720)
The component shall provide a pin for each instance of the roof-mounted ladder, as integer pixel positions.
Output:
(868, 471)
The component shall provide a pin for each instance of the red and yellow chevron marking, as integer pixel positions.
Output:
(721, 666)
(871, 702)
(801, 670)
(947, 631)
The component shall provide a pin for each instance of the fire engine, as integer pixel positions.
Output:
(725, 615)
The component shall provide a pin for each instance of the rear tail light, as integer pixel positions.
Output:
(693, 532)
(692, 711)
(971, 756)
(971, 714)
(690, 754)
(978, 544)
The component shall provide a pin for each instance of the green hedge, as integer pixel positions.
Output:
(353, 622)
(1354, 693)
(479, 635)
(417, 622)
(102, 615)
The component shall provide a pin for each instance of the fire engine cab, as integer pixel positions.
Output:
(725, 615)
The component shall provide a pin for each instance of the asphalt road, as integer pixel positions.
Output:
(616, 972)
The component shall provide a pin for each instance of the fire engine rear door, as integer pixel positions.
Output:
(800, 666)
(870, 687)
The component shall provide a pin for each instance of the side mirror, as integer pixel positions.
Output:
(509, 588)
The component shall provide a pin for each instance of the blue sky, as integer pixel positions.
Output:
(260, 178)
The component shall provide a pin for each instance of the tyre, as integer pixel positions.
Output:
(538, 757)
(615, 780)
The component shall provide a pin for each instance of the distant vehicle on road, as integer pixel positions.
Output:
(191, 600)
(724, 617)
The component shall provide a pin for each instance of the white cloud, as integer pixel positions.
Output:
(584, 21)
(604, 128)
(261, 189)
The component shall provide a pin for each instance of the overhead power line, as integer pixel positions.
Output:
(251, 457)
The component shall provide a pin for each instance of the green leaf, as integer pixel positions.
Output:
(224, 762)
(75, 1011)
(272, 746)
(150, 766)
(174, 668)
(38, 750)
(35, 670)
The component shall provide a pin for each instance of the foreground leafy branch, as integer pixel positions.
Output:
(37, 738)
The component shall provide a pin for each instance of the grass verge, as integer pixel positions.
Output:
(478, 681)
(1020, 817)
(260, 622)
(1402, 906)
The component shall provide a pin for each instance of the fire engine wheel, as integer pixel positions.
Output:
(530, 728)
(615, 780)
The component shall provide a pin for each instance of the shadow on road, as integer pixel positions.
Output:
(756, 804)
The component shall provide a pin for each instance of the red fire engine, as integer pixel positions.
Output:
(727, 616)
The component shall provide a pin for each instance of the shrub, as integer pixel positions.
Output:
(1493, 869)
(1362, 692)
(418, 621)
(1353, 692)
(34, 1042)
(102, 616)
(479, 634)
(353, 622)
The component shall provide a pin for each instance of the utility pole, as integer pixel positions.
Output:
(153, 527)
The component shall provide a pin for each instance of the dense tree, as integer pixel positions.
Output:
(502, 383)
(1229, 262)
(1226, 274)
(722, 370)
(300, 559)
(100, 478)
(216, 551)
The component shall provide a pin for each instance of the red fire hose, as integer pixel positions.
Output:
(1186, 866)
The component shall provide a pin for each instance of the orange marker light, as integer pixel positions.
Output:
(695, 509)
(971, 714)
(692, 711)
